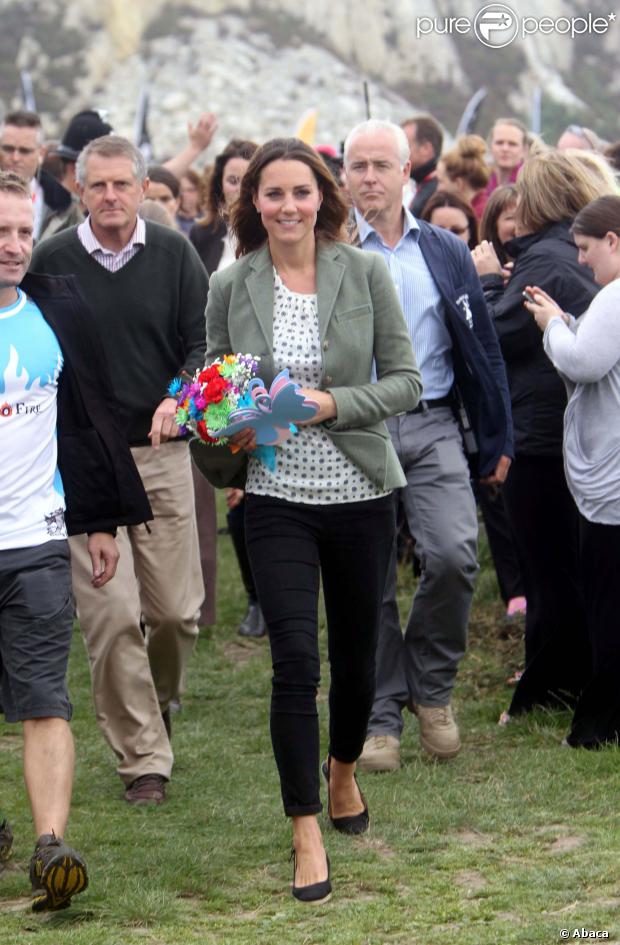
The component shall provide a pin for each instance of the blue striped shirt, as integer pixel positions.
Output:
(420, 301)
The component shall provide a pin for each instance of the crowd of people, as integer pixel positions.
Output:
(403, 285)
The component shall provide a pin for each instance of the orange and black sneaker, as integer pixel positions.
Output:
(57, 873)
(6, 841)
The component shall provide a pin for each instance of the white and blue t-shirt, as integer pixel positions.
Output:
(32, 502)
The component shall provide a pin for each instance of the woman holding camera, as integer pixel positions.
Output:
(552, 188)
(586, 354)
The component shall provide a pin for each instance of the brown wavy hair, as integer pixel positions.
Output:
(501, 199)
(247, 225)
(213, 189)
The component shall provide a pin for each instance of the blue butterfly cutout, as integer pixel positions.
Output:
(271, 414)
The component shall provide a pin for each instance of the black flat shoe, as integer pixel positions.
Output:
(317, 892)
(253, 624)
(351, 823)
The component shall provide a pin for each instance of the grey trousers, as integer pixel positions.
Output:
(421, 665)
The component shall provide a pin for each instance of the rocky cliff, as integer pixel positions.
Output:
(260, 64)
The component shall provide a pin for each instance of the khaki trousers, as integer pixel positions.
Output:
(134, 676)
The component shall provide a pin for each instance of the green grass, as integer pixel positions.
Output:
(514, 840)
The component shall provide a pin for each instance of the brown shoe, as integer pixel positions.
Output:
(147, 789)
(439, 734)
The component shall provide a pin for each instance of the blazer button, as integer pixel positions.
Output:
(325, 345)
(328, 378)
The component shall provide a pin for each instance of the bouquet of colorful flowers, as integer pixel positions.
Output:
(226, 397)
(206, 402)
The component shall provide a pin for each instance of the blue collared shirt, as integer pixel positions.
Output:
(420, 301)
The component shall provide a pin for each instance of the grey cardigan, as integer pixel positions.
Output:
(588, 358)
(360, 320)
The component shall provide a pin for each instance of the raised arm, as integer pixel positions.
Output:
(589, 355)
(199, 138)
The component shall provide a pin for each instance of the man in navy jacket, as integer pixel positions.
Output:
(466, 403)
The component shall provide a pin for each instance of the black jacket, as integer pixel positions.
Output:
(102, 486)
(57, 198)
(208, 240)
(60, 208)
(426, 181)
(547, 259)
(479, 372)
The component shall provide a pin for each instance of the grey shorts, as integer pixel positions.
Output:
(36, 623)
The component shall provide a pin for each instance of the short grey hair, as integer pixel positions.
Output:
(373, 126)
(111, 146)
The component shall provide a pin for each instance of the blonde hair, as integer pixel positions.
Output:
(156, 213)
(598, 165)
(468, 159)
(512, 123)
(12, 183)
(554, 186)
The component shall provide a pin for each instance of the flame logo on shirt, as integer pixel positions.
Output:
(6, 410)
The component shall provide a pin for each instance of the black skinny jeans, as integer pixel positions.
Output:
(597, 714)
(544, 521)
(291, 546)
(235, 519)
(501, 541)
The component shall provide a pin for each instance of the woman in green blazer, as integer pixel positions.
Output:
(301, 299)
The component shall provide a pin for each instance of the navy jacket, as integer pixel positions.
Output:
(102, 486)
(480, 374)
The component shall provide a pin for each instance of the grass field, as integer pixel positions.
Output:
(515, 841)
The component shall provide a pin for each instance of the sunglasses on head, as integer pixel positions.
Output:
(584, 133)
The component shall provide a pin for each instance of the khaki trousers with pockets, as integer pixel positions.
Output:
(135, 676)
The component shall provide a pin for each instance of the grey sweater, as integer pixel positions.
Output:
(587, 355)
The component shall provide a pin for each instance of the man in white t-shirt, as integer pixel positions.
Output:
(36, 599)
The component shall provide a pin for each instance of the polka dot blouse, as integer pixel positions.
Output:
(309, 466)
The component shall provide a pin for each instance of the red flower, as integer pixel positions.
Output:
(208, 374)
(202, 432)
(214, 391)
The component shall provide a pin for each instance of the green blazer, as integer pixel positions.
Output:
(360, 320)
